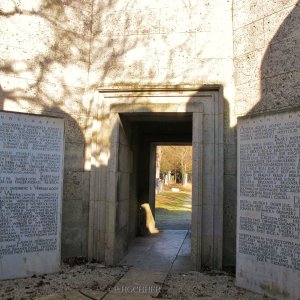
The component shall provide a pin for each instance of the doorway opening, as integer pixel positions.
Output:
(173, 187)
(144, 131)
(158, 247)
(130, 124)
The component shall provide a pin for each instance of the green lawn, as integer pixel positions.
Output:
(174, 201)
(173, 210)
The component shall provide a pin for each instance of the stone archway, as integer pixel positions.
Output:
(111, 211)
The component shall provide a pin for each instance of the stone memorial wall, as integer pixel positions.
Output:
(268, 229)
(31, 175)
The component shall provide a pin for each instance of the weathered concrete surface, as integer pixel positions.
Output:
(266, 55)
(151, 259)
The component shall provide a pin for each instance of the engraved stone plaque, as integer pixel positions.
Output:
(268, 215)
(31, 175)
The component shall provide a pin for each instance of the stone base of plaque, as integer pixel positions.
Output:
(19, 266)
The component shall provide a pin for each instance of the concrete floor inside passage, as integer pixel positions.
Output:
(151, 259)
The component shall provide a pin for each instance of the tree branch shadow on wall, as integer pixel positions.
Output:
(36, 76)
(33, 80)
(56, 68)
(54, 55)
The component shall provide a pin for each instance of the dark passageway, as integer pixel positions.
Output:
(145, 131)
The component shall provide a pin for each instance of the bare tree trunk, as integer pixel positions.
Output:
(158, 161)
(184, 179)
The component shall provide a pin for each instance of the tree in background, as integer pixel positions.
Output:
(177, 160)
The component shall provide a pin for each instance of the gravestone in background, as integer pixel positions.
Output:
(31, 175)
(268, 229)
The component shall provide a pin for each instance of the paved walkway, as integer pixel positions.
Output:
(151, 259)
(172, 220)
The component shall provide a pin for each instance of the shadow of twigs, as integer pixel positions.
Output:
(56, 53)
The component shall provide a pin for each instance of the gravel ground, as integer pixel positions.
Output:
(94, 279)
(90, 277)
(204, 286)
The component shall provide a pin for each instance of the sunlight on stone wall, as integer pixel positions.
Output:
(44, 57)
(163, 42)
(266, 59)
(266, 62)
(55, 54)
